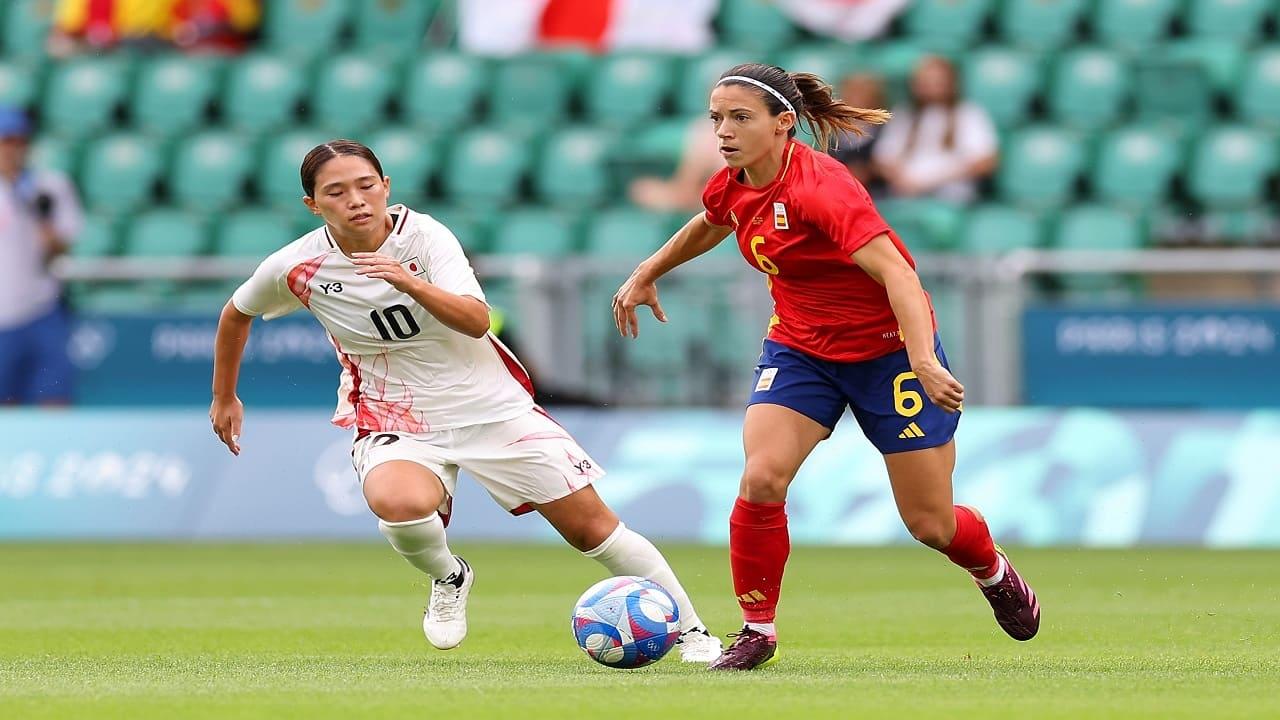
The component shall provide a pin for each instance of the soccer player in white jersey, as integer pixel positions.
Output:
(426, 388)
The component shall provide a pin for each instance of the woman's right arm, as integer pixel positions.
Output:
(227, 412)
(696, 237)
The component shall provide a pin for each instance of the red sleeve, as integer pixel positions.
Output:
(715, 200)
(842, 210)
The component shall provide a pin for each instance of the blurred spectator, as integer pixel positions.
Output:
(699, 160)
(845, 19)
(39, 216)
(862, 90)
(509, 27)
(937, 145)
(198, 25)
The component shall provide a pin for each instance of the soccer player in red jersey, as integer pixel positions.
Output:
(852, 326)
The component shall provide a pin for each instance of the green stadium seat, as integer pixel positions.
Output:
(281, 157)
(83, 94)
(993, 229)
(121, 298)
(1258, 98)
(628, 90)
(924, 225)
(1234, 20)
(1133, 24)
(262, 92)
(831, 61)
(201, 296)
(1135, 166)
(1003, 81)
(1175, 95)
(408, 157)
(627, 233)
(473, 227)
(1221, 60)
(699, 77)
(529, 93)
(252, 233)
(351, 94)
(1041, 24)
(535, 231)
(172, 93)
(394, 28)
(443, 90)
(17, 83)
(947, 24)
(1230, 165)
(573, 168)
(304, 28)
(1096, 227)
(486, 167)
(26, 27)
(755, 25)
(100, 237)
(896, 61)
(166, 233)
(1039, 166)
(120, 172)
(49, 152)
(210, 170)
(1089, 88)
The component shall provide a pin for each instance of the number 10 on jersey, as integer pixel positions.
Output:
(395, 320)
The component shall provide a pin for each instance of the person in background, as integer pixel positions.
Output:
(855, 150)
(39, 216)
(938, 145)
(699, 160)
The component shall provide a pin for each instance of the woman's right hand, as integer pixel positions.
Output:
(636, 291)
(227, 415)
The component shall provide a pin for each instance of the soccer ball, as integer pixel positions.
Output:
(626, 622)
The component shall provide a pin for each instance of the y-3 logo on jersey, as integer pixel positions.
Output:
(331, 288)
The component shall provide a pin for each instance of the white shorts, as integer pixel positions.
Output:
(522, 462)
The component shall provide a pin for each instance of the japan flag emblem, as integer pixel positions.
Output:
(414, 266)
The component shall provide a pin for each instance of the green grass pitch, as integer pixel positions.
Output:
(321, 631)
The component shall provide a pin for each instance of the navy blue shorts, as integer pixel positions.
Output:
(886, 398)
(34, 366)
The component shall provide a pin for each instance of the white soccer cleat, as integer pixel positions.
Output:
(698, 646)
(445, 622)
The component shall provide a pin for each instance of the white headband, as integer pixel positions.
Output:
(762, 86)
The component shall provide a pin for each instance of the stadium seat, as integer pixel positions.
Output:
(1176, 95)
(1089, 88)
(1258, 98)
(26, 28)
(831, 61)
(408, 157)
(1133, 24)
(166, 233)
(83, 94)
(535, 231)
(17, 83)
(100, 237)
(210, 170)
(1221, 60)
(262, 92)
(1230, 165)
(122, 298)
(54, 153)
(486, 167)
(699, 76)
(443, 90)
(172, 93)
(278, 172)
(946, 24)
(625, 233)
(393, 28)
(754, 24)
(1135, 166)
(201, 296)
(120, 173)
(1040, 24)
(627, 90)
(924, 225)
(472, 227)
(304, 28)
(351, 94)
(252, 233)
(992, 229)
(1234, 20)
(572, 169)
(1096, 227)
(1003, 81)
(1039, 166)
(896, 61)
(529, 93)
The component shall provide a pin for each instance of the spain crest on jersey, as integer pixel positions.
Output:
(780, 217)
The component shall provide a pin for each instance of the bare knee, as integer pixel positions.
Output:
(762, 483)
(399, 498)
(931, 529)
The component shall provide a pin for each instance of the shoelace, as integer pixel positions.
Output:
(444, 606)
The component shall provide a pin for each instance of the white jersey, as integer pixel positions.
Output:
(402, 369)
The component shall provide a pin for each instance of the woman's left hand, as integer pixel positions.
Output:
(377, 265)
(942, 388)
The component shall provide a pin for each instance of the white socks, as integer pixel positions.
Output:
(423, 544)
(626, 552)
(766, 629)
(994, 579)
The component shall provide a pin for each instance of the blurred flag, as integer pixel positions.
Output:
(507, 27)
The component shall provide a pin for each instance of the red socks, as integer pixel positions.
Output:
(972, 547)
(758, 550)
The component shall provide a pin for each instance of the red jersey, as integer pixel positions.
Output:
(800, 230)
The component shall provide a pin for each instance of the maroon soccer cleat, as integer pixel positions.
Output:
(1015, 604)
(750, 650)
